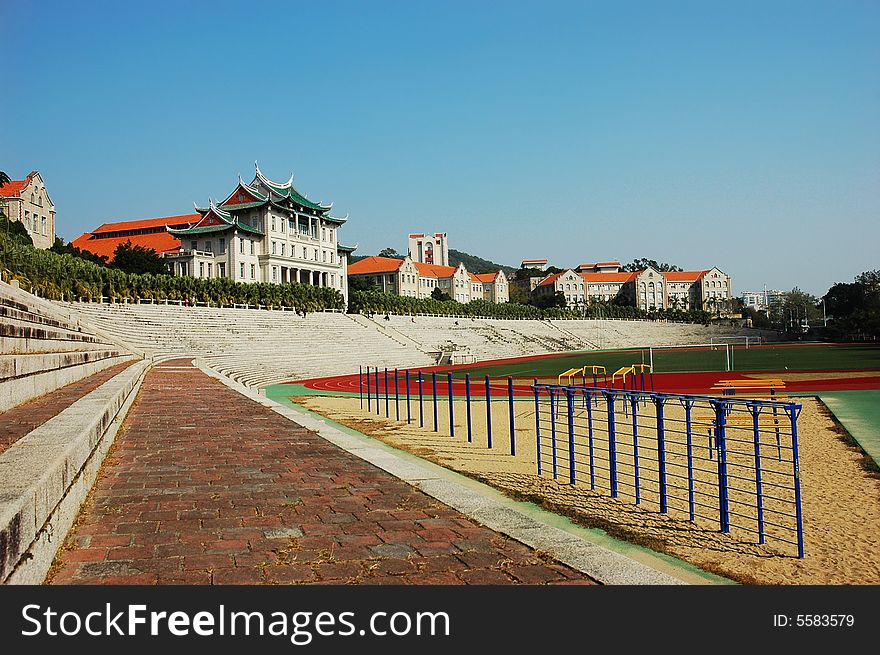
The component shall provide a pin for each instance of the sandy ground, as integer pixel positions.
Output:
(841, 500)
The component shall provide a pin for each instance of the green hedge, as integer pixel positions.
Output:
(376, 302)
(57, 277)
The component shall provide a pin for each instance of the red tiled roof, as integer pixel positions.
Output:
(434, 270)
(13, 188)
(484, 277)
(158, 241)
(184, 219)
(608, 264)
(619, 278)
(374, 265)
(550, 279)
(683, 276)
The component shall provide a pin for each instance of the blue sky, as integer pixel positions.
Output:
(744, 135)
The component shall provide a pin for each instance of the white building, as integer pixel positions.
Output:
(28, 202)
(429, 248)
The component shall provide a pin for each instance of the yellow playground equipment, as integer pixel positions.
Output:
(584, 372)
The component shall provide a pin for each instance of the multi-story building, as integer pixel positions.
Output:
(405, 277)
(494, 287)
(761, 300)
(28, 202)
(429, 248)
(264, 231)
(647, 289)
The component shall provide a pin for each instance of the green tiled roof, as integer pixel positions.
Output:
(339, 246)
(215, 228)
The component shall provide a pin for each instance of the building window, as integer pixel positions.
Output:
(273, 223)
(210, 266)
(194, 245)
(201, 269)
(274, 273)
(221, 270)
(241, 249)
(253, 269)
(252, 248)
(241, 270)
(282, 250)
(222, 246)
(209, 247)
(274, 245)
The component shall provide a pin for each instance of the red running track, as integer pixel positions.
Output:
(682, 383)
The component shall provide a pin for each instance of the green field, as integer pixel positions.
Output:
(794, 357)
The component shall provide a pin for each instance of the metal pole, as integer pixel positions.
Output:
(511, 415)
(720, 416)
(421, 402)
(434, 387)
(361, 385)
(571, 463)
(387, 406)
(467, 394)
(755, 409)
(688, 404)
(537, 425)
(553, 430)
(612, 445)
(489, 411)
(634, 402)
(396, 395)
(661, 453)
(590, 439)
(408, 408)
(369, 401)
(451, 413)
(793, 411)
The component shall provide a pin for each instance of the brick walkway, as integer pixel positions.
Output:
(205, 486)
(22, 419)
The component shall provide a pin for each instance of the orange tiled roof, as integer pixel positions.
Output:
(550, 279)
(683, 276)
(13, 188)
(158, 241)
(484, 277)
(184, 219)
(618, 278)
(374, 265)
(434, 270)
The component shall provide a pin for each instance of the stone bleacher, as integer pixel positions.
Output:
(51, 453)
(256, 347)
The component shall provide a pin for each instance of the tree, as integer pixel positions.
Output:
(389, 252)
(359, 283)
(642, 263)
(440, 294)
(137, 259)
(59, 247)
(547, 302)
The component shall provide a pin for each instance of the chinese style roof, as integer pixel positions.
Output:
(214, 219)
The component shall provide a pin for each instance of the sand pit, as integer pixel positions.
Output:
(841, 500)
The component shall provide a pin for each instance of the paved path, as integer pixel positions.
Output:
(205, 486)
(22, 419)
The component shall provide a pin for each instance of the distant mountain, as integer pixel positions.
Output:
(476, 264)
(472, 263)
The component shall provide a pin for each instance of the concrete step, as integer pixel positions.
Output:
(45, 476)
(24, 377)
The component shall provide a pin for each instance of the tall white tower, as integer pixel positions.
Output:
(429, 248)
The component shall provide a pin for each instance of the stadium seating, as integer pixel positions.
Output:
(255, 347)
(53, 437)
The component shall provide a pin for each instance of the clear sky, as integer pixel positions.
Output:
(743, 134)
